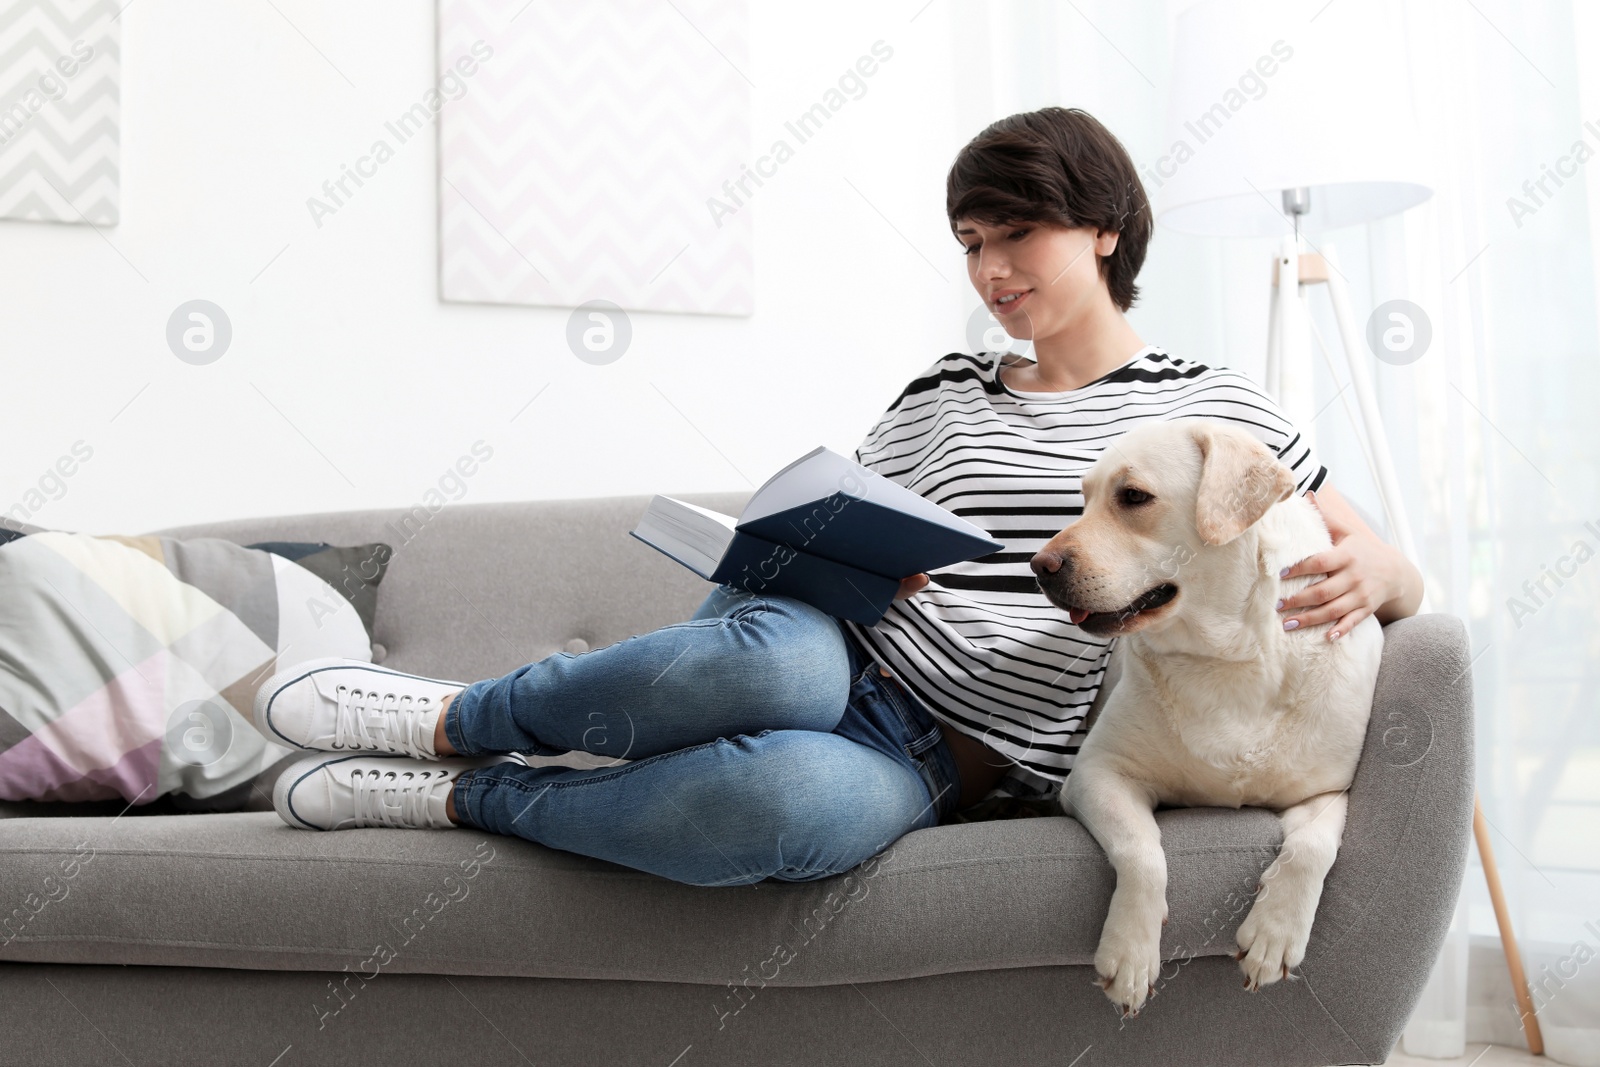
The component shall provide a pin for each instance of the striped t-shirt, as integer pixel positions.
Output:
(980, 645)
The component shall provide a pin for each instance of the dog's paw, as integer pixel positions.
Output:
(1129, 957)
(1272, 941)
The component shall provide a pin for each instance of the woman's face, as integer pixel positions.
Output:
(1052, 271)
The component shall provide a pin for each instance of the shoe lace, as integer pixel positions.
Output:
(394, 799)
(391, 722)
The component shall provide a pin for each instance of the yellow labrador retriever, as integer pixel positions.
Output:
(1185, 527)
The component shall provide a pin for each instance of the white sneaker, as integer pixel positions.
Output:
(343, 705)
(348, 792)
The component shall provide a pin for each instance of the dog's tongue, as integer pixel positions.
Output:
(1077, 615)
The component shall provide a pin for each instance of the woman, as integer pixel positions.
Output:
(765, 738)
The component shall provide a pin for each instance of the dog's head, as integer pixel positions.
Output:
(1163, 511)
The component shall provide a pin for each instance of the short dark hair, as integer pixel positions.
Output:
(1056, 165)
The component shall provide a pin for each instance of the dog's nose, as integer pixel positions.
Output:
(1047, 561)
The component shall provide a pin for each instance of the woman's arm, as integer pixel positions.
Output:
(1364, 575)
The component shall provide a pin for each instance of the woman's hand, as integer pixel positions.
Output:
(1363, 576)
(911, 585)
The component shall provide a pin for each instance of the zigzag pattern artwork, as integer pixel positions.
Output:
(580, 161)
(60, 69)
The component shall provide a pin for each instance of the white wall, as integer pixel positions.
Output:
(348, 383)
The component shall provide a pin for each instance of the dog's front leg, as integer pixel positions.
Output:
(1120, 814)
(1272, 938)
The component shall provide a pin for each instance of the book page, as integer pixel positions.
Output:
(695, 536)
(821, 473)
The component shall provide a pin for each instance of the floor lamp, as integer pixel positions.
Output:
(1319, 132)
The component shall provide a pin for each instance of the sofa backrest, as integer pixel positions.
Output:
(476, 590)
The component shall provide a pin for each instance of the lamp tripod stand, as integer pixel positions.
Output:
(1288, 380)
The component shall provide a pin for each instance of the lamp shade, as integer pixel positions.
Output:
(1268, 95)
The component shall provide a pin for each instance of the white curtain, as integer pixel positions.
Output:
(1495, 431)
(1509, 449)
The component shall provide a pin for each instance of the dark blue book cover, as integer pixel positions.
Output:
(872, 536)
(764, 567)
(824, 530)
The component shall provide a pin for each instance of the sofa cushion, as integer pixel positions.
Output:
(243, 890)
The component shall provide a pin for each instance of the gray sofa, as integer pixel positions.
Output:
(229, 938)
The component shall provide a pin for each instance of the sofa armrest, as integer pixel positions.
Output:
(1390, 896)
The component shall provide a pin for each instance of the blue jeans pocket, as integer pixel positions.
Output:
(884, 716)
(927, 748)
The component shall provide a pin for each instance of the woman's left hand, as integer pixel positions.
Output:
(1359, 578)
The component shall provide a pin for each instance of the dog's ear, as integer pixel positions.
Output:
(1240, 479)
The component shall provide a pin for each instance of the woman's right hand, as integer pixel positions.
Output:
(911, 585)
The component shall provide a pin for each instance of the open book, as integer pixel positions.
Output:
(824, 530)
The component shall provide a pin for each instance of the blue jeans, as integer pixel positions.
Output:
(762, 742)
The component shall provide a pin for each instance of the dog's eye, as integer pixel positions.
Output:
(1134, 497)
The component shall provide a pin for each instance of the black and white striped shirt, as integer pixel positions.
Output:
(980, 645)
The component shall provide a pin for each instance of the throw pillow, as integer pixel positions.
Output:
(128, 664)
